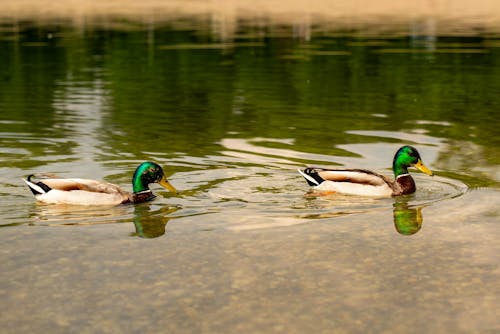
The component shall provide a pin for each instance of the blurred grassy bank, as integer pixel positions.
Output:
(438, 17)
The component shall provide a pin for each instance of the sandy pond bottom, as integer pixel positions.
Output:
(351, 274)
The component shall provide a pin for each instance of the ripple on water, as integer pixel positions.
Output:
(149, 220)
(277, 162)
(253, 197)
(435, 189)
(238, 194)
(58, 215)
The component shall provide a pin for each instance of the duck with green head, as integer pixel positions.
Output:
(367, 183)
(93, 192)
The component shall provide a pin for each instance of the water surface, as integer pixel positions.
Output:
(245, 246)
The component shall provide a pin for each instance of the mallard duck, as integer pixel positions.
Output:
(367, 183)
(93, 192)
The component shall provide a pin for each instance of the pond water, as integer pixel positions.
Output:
(245, 246)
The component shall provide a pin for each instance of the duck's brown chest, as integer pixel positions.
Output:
(406, 185)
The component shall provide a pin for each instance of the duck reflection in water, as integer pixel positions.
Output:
(407, 219)
(151, 223)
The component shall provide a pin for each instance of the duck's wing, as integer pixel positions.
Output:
(44, 185)
(315, 176)
(82, 184)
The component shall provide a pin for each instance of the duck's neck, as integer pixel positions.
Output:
(399, 168)
(138, 185)
(405, 182)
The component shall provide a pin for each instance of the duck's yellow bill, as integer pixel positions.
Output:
(165, 184)
(421, 167)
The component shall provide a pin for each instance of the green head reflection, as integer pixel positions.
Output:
(151, 223)
(407, 220)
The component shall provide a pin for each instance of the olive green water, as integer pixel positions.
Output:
(244, 247)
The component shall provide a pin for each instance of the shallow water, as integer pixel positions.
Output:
(245, 245)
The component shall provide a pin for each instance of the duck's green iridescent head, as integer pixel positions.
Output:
(408, 156)
(149, 172)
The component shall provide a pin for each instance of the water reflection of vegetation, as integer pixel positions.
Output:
(198, 96)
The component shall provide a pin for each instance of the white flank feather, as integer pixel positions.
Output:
(80, 197)
(355, 189)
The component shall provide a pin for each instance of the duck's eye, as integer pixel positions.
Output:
(155, 173)
(414, 154)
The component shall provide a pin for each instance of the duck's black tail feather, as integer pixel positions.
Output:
(37, 188)
(312, 177)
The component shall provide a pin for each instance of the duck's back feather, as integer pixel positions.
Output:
(360, 176)
(82, 184)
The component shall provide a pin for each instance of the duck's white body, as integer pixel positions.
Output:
(349, 182)
(78, 192)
